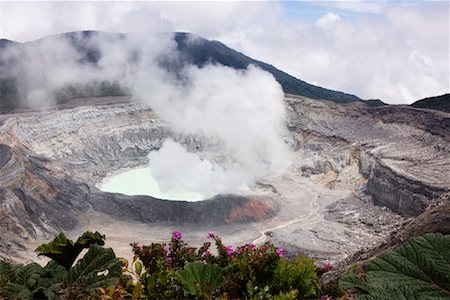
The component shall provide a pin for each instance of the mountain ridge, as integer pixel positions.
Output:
(441, 102)
(238, 60)
(195, 50)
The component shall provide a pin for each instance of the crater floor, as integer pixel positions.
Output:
(357, 173)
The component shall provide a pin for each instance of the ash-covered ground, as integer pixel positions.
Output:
(356, 174)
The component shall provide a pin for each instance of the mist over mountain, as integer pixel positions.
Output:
(191, 50)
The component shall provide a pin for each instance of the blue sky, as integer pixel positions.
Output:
(305, 10)
(312, 10)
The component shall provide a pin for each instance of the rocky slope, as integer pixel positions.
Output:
(346, 158)
(404, 153)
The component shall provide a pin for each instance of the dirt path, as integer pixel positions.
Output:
(308, 219)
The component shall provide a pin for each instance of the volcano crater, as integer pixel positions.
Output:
(357, 172)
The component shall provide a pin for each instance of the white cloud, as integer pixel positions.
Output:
(29, 20)
(398, 52)
(399, 55)
(328, 19)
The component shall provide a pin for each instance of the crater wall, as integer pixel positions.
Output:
(397, 157)
(403, 153)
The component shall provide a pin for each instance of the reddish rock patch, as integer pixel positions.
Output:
(255, 209)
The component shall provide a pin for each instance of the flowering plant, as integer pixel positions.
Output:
(242, 270)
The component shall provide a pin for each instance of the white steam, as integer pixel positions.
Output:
(178, 171)
(242, 111)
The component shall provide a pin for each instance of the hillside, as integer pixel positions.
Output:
(6, 43)
(441, 103)
(204, 51)
(200, 52)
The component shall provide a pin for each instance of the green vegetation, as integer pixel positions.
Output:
(64, 251)
(441, 102)
(93, 89)
(419, 269)
(171, 270)
(59, 279)
(201, 280)
(11, 99)
(178, 271)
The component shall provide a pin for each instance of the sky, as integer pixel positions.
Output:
(396, 51)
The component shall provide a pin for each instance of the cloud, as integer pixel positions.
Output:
(396, 51)
(327, 20)
(29, 20)
(399, 56)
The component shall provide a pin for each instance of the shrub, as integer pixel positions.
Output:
(175, 270)
(298, 274)
(99, 267)
(171, 270)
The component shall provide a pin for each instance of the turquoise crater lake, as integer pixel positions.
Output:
(140, 181)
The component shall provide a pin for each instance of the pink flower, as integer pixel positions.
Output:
(251, 246)
(139, 247)
(206, 255)
(169, 259)
(177, 235)
(211, 235)
(281, 252)
(327, 265)
(229, 250)
(166, 249)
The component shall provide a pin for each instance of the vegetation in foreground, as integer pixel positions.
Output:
(417, 270)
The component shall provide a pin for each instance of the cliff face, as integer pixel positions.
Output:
(33, 202)
(403, 153)
(400, 193)
(345, 157)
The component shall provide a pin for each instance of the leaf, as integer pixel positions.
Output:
(352, 282)
(97, 268)
(88, 238)
(23, 284)
(19, 291)
(6, 273)
(213, 274)
(199, 279)
(53, 274)
(420, 269)
(64, 251)
(190, 278)
(138, 267)
(299, 274)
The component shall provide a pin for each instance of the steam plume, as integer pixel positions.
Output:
(242, 110)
